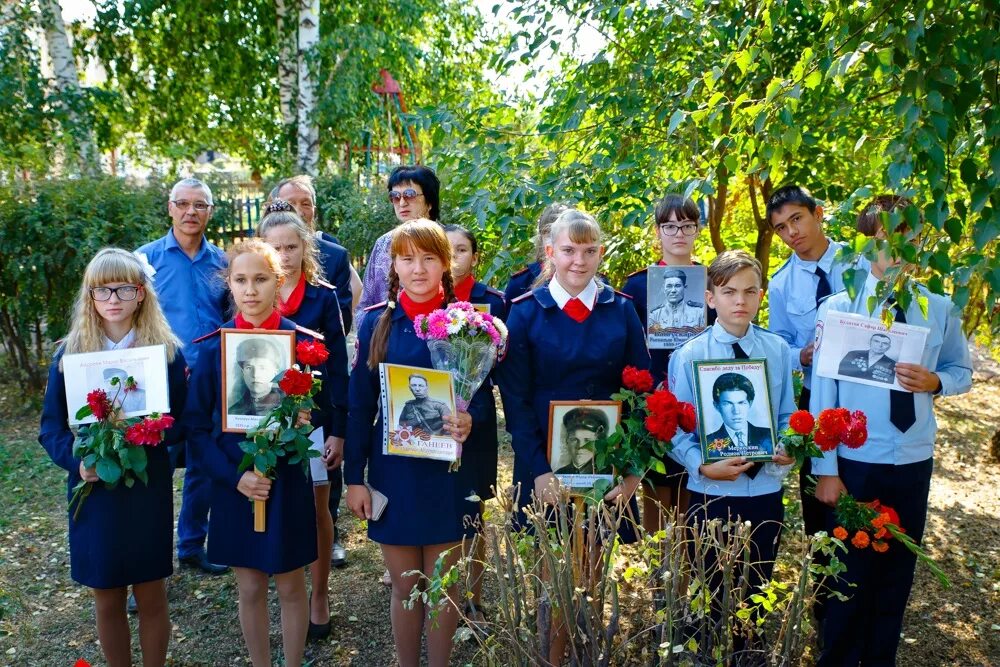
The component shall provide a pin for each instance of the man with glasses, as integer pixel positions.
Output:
(185, 270)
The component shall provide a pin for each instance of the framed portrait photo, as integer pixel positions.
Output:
(252, 360)
(734, 409)
(854, 348)
(574, 428)
(108, 370)
(675, 305)
(415, 402)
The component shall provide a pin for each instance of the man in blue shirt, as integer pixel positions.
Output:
(185, 269)
(894, 465)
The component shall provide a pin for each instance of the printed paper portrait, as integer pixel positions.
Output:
(675, 305)
(416, 402)
(110, 370)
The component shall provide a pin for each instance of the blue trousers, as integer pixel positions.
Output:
(864, 630)
(196, 499)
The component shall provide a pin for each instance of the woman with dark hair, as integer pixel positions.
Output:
(415, 192)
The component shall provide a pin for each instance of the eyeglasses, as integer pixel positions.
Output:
(199, 206)
(405, 195)
(124, 292)
(689, 227)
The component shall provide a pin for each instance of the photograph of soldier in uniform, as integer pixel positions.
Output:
(873, 363)
(423, 412)
(735, 411)
(252, 362)
(574, 429)
(676, 303)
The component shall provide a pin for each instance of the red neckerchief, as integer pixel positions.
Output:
(272, 322)
(463, 290)
(576, 309)
(294, 302)
(661, 263)
(413, 308)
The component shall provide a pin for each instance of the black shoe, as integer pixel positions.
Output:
(339, 555)
(132, 606)
(200, 561)
(318, 631)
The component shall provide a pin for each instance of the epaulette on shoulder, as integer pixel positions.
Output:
(523, 297)
(520, 273)
(695, 304)
(206, 336)
(309, 332)
(377, 305)
(495, 292)
(635, 273)
(627, 296)
(781, 268)
(822, 300)
(323, 283)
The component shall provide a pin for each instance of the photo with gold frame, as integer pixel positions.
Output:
(574, 428)
(252, 360)
(734, 409)
(415, 401)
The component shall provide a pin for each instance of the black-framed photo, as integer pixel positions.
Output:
(415, 402)
(675, 305)
(734, 409)
(574, 429)
(252, 360)
(108, 370)
(855, 348)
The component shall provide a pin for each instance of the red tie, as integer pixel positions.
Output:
(575, 309)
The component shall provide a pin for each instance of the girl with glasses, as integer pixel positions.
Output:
(123, 536)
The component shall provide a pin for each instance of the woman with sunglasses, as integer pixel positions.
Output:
(414, 191)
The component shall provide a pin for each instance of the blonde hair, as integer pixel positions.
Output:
(255, 246)
(729, 263)
(423, 235)
(581, 228)
(311, 268)
(114, 265)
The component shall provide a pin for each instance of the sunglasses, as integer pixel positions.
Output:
(395, 196)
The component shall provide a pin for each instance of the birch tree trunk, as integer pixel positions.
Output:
(287, 66)
(308, 132)
(66, 82)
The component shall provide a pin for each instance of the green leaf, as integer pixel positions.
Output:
(813, 79)
(675, 119)
(109, 471)
(84, 412)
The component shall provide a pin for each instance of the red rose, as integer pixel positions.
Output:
(855, 436)
(640, 381)
(141, 434)
(834, 420)
(661, 401)
(686, 418)
(99, 404)
(825, 441)
(662, 426)
(311, 353)
(296, 383)
(802, 422)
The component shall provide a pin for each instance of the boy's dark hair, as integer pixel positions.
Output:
(870, 219)
(790, 194)
(426, 179)
(466, 233)
(682, 208)
(732, 382)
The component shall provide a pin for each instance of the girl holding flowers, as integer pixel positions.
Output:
(427, 511)
(254, 277)
(121, 536)
(311, 302)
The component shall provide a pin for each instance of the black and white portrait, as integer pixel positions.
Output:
(734, 409)
(575, 427)
(676, 311)
(251, 365)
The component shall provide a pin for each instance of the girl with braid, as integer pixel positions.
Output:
(427, 511)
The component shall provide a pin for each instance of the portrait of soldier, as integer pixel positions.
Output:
(422, 412)
(873, 363)
(253, 389)
(581, 427)
(675, 312)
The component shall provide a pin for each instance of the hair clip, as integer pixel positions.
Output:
(390, 304)
(278, 206)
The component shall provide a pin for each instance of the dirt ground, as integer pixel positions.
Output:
(47, 620)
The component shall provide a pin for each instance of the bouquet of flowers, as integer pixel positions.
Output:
(807, 437)
(650, 422)
(279, 434)
(114, 446)
(873, 524)
(465, 342)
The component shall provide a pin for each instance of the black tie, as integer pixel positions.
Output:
(902, 406)
(756, 467)
(823, 289)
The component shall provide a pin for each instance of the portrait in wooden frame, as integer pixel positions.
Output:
(252, 360)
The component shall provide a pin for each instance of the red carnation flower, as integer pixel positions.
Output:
(640, 381)
(99, 404)
(834, 420)
(311, 353)
(296, 383)
(686, 418)
(802, 422)
(825, 441)
(661, 401)
(855, 436)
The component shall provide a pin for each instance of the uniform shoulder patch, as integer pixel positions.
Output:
(495, 292)
(523, 297)
(309, 332)
(623, 294)
(323, 283)
(377, 305)
(636, 273)
(206, 336)
(520, 273)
